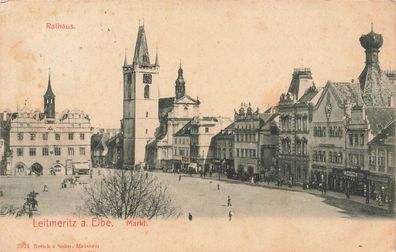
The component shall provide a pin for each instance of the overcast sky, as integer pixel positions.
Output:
(231, 51)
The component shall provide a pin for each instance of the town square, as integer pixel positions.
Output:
(269, 118)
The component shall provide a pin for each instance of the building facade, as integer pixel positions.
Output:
(295, 117)
(49, 142)
(174, 113)
(224, 149)
(246, 142)
(202, 150)
(381, 180)
(140, 102)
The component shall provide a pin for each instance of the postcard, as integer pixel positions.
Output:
(197, 125)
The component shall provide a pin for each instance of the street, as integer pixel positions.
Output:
(200, 197)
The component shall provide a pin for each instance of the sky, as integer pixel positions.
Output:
(231, 51)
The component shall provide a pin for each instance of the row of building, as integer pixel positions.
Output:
(340, 134)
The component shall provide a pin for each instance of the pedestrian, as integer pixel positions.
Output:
(230, 214)
(189, 216)
(218, 187)
(45, 189)
(324, 188)
(179, 177)
(321, 188)
(229, 201)
(146, 175)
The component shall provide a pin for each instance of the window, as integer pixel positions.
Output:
(20, 152)
(129, 78)
(339, 157)
(20, 136)
(350, 139)
(381, 158)
(32, 136)
(70, 151)
(71, 136)
(254, 153)
(361, 139)
(206, 130)
(390, 158)
(356, 139)
(82, 136)
(57, 136)
(32, 151)
(372, 157)
(237, 152)
(57, 151)
(45, 136)
(147, 92)
(45, 151)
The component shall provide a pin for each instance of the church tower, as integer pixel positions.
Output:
(49, 101)
(140, 102)
(376, 87)
(180, 88)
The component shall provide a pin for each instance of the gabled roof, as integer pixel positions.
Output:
(343, 92)
(379, 118)
(346, 91)
(309, 94)
(389, 130)
(184, 97)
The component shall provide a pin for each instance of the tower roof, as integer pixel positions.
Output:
(301, 80)
(180, 78)
(141, 56)
(371, 40)
(49, 93)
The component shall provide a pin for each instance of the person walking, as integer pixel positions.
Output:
(229, 201)
(179, 177)
(189, 216)
(218, 187)
(45, 189)
(324, 188)
(230, 214)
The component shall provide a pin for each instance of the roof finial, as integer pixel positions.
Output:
(371, 26)
(156, 57)
(125, 59)
(49, 74)
(180, 64)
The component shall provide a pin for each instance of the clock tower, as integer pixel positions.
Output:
(140, 102)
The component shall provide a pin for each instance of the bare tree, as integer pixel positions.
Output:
(129, 194)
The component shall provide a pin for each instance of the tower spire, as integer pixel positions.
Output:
(141, 55)
(371, 26)
(156, 57)
(125, 59)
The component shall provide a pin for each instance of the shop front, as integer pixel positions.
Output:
(341, 180)
(381, 188)
(318, 175)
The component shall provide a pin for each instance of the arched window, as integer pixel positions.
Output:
(147, 92)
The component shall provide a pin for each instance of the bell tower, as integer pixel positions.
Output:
(140, 102)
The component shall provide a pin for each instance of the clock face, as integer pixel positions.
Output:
(147, 78)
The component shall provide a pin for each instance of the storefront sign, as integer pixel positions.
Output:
(377, 179)
(350, 174)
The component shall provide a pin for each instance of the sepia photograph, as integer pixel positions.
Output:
(197, 125)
